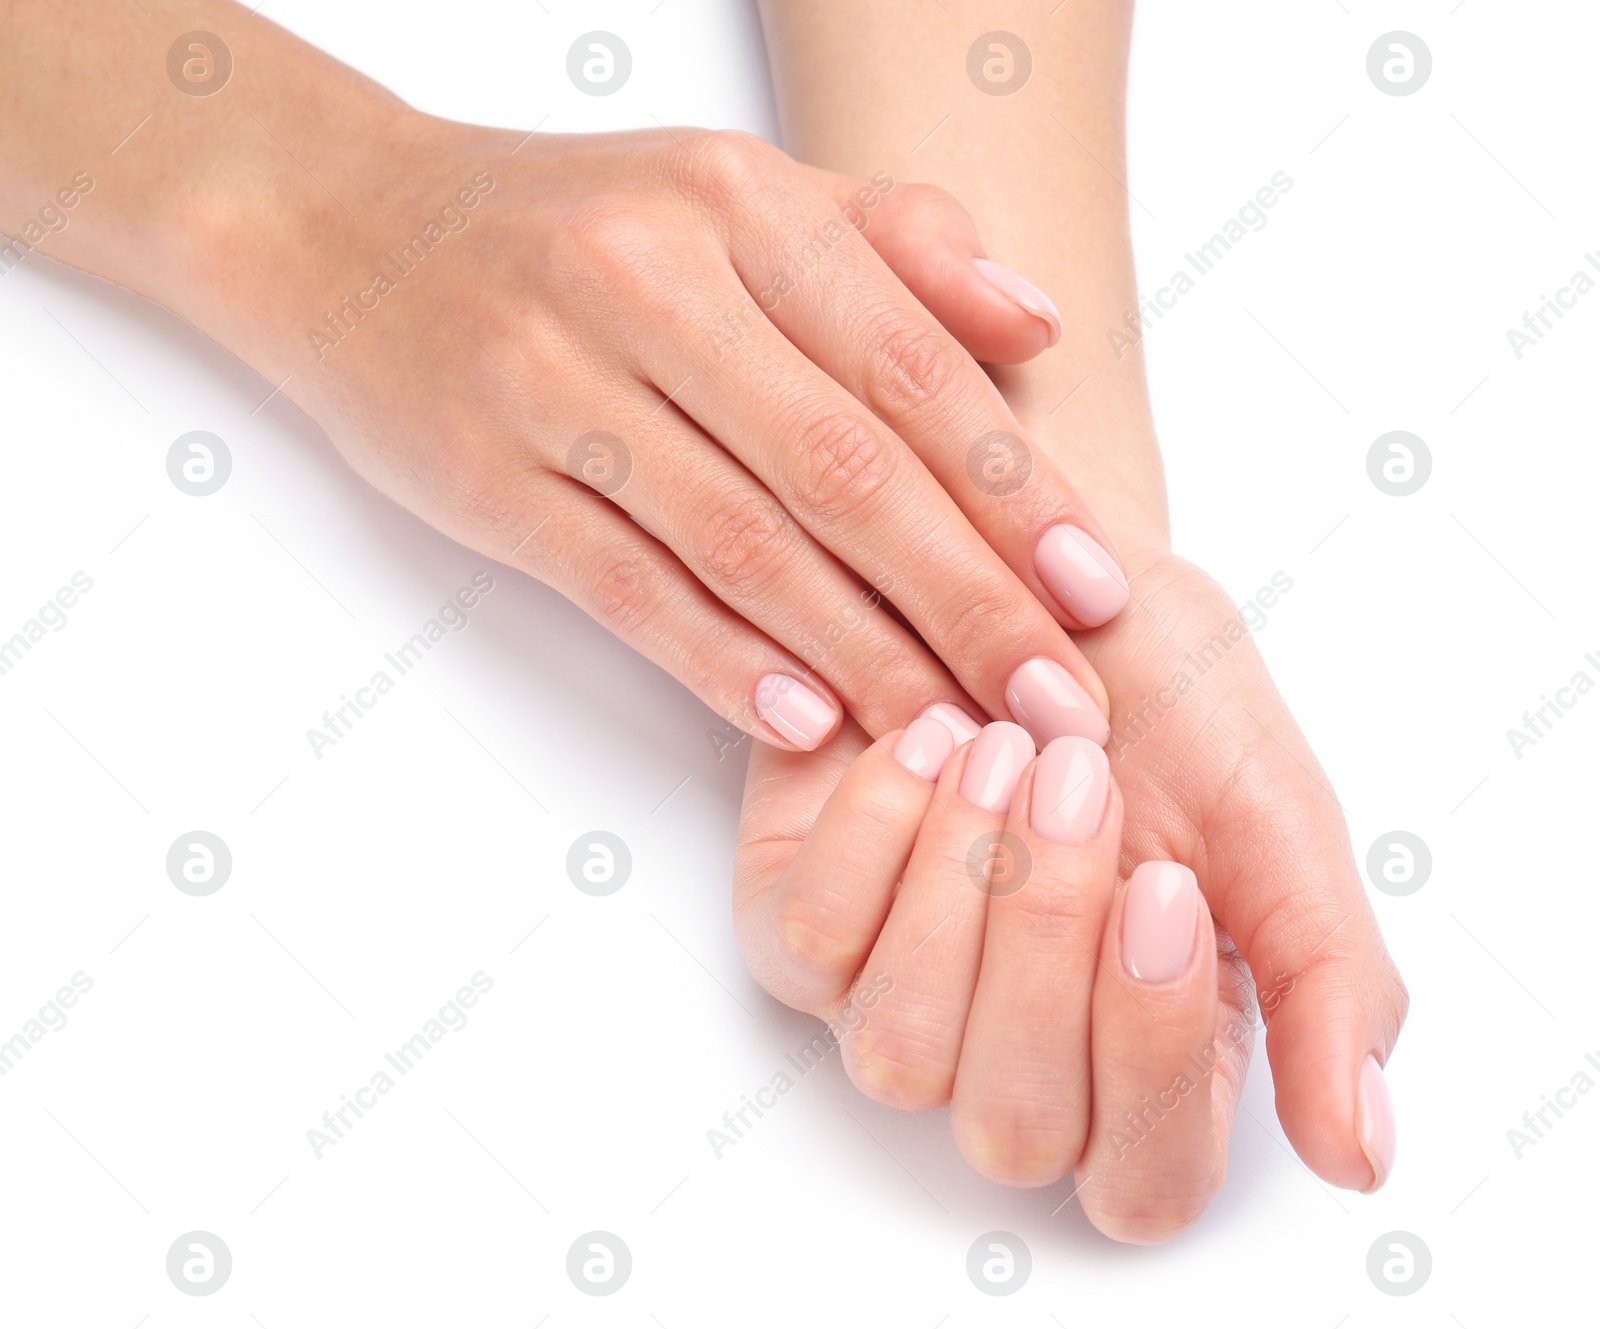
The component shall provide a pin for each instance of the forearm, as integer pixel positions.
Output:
(886, 87)
(231, 207)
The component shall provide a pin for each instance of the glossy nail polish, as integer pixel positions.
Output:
(1375, 1121)
(1071, 785)
(1158, 921)
(1019, 290)
(800, 715)
(925, 747)
(1080, 574)
(963, 728)
(1050, 703)
(995, 764)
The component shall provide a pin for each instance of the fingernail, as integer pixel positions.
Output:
(1050, 703)
(1158, 921)
(1375, 1121)
(995, 764)
(1080, 574)
(802, 716)
(1070, 787)
(925, 747)
(1019, 289)
(963, 728)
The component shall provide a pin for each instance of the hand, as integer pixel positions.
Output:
(1220, 777)
(667, 372)
(968, 945)
(596, 325)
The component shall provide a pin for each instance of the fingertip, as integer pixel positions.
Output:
(1024, 294)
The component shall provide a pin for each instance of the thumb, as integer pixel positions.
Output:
(930, 242)
(1281, 879)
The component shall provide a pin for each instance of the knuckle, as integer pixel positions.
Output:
(911, 364)
(1014, 1151)
(625, 592)
(1126, 1211)
(899, 1069)
(814, 938)
(729, 163)
(1043, 914)
(924, 207)
(743, 543)
(604, 242)
(842, 465)
(978, 626)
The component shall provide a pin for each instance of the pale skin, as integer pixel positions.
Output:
(775, 474)
(572, 286)
(1223, 781)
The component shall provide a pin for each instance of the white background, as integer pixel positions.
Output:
(369, 885)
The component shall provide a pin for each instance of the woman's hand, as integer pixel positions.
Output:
(956, 920)
(700, 389)
(1213, 773)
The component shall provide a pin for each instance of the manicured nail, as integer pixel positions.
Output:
(1158, 921)
(1050, 703)
(995, 764)
(1019, 289)
(802, 716)
(1375, 1121)
(963, 728)
(925, 747)
(1080, 574)
(1070, 787)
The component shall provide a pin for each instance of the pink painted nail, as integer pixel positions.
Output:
(802, 716)
(1050, 703)
(925, 747)
(995, 764)
(1158, 921)
(1081, 575)
(963, 728)
(1022, 291)
(1071, 785)
(1375, 1121)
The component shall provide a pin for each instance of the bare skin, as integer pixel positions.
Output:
(666, 372)
(1218, 776)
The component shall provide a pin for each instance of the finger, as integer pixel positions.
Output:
(1022, 1096)
(579, 544)
(729, 530)
(930, 242)
(806, 935)
(1155, 1154)
(1276, 868)
(860, 325)
(925, 961)
(850, 482)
